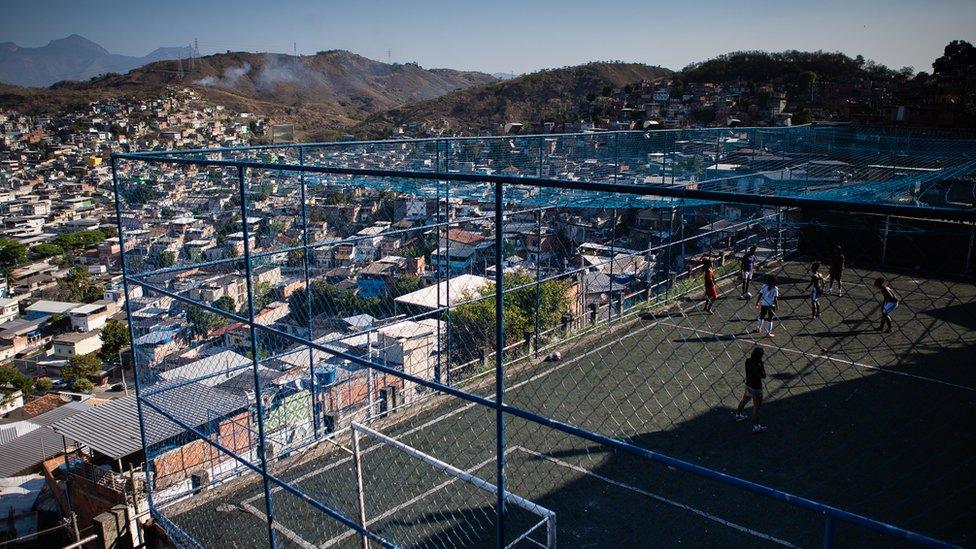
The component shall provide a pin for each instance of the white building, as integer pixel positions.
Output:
(74, 344)
(89, 317)
(369, 239)
(8, 309)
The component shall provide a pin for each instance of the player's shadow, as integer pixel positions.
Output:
(713, 338)
(781, 280)
(839, 333)
(854, 442)
(962, 315)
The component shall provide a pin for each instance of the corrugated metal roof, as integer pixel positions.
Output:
(10, 431)
(29, 450)
(59, 413)
(228, 362)
(113, 428)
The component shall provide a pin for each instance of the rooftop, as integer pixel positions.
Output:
(459, 288)
(51, 307)
(112, 429)
(40, 443)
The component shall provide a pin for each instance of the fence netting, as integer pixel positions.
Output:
(272, 308)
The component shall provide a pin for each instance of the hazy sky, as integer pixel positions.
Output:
(504, 35)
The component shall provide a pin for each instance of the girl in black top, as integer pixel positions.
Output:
(837, 271)
(755, 373)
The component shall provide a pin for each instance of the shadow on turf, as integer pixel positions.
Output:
(962, 315)
(885, 446)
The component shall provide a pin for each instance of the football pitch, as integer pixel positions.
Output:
(873, 423)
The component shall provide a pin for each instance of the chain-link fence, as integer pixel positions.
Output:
(707, 337)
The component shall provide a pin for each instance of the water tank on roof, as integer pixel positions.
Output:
(325, 375)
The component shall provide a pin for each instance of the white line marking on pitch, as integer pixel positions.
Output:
(826, 357)
(412, 500)
(464, 408)
(661, 499)
(291, 535)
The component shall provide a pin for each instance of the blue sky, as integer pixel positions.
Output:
(504, 35)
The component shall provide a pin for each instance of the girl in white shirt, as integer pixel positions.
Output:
(766, 303)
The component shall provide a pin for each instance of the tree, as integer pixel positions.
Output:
(82, 367)
(204, 321)
(12, 380)
(958, 57)
(12, 253)
(43, 384)
(82, 385)
(137, 194)
(225, 303)
(45, 250)
(135, 263)
(80, 239)
(325, 299)
(78, 285)
(296, 258)
(472, 325)
(404, 285)
(264, 294)
(115, 337)
(165, 259)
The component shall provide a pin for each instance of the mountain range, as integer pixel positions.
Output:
(70, 58)
(547, 95)
(321, 93)
(333, 93)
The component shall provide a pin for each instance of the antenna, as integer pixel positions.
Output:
(294, 48)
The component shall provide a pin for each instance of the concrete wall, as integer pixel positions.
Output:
(200, 456)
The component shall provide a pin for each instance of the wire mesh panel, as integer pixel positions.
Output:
(745, 335)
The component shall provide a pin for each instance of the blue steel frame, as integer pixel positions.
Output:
(831, 514)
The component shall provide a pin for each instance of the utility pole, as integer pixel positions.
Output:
(125, 387)
(389, 56)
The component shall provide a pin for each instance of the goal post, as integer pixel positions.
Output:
(547, 516)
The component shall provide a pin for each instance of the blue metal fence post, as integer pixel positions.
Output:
(132, 335)
(671, 148)
(316, 421)
(828, 537)
(779, 233)
(538, 255)
(681, 234)
(542, 141)
(538, 275)
(437, 266)
(969, 250)
(616, 156)
(499, 369)
(884, 239)
(670, 253)
(258, 400)
(613, 236)
(447, 288)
